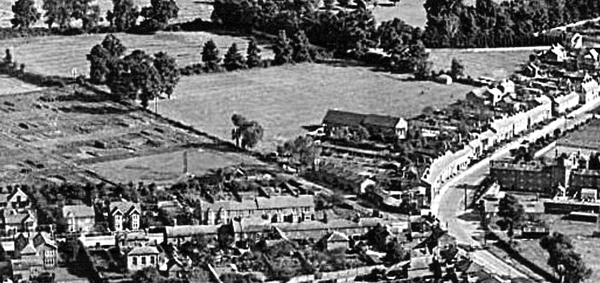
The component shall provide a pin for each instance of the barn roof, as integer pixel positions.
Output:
(343, 118)
(381, 121)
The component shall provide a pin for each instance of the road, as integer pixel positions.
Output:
(449, 204)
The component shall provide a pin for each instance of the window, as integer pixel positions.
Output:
(134, 260)
(143, 260)
(151, 259)
(135, 221)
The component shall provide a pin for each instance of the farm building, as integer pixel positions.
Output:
(385, 127)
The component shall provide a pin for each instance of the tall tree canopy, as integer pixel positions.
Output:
(563, 258)
(25, 14)
(124, 15)
(157, 16)
(246, 133)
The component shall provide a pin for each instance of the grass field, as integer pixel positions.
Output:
(495, 64)
(10, 85)
(168, 166)
(410, 11)
(283, 99)
(57, 55)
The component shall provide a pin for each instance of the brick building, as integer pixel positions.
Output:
(532, 176)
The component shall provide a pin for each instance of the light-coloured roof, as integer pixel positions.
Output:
(190, 230)
(145, 250)
(79, 211)
(336, 236)
(29, 250)
(13, 219)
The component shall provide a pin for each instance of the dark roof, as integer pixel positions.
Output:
(343, 118)
(145, 250)
(124, 207)
(381, 121)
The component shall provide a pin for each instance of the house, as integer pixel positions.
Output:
(80, 218)
(124, 215)
(556, 53)
(275, 209)
(15, 222)
(485, 96)
(47, 249)
(334, 241)
(386, 127)
(561, 104)
(141, 257)
(41, 245)
(382, 126)
(589, 89)
(16, 199)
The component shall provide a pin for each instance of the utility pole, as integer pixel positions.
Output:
(185, 162)
(155, 104)
(466, 204)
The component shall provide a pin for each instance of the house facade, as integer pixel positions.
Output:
(381, 126)
(124, 215)
(141, 257)
(16, 199)
(80, 218)
(275, 209)
(18, 222)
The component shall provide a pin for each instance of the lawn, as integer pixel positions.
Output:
(495, 64)
(58, 55)
(410, 11)
(168, 166)
(10, 85)
(283, 99)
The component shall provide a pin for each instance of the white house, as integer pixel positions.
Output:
(141, 257)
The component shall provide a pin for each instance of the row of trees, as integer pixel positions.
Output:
(451, 23)
(123, 17)
(132, 76)
(345, 33)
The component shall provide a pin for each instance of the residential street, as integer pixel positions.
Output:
(449, 204)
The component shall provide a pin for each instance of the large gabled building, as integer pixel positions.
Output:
(381, 126)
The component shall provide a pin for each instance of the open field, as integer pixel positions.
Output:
(188, 10)
(58, 134)
(168, 166)
(10, 85)
(495, 64)
(283, 99)
(410, 11)
(57, 55)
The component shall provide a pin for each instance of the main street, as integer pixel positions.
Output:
(449, 204)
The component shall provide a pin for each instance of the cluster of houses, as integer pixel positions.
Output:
(552, 85)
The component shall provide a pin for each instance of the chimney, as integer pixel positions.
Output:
(174, 221)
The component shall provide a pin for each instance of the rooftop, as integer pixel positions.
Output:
(145, 250)
(78, 211)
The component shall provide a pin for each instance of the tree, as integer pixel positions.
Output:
(210, 56)
(283, 50)
(135, 76)
(253, 58)
(301, 48)
(512, 211)
(25, 14)
(563, 258)
(168, 72)
(147, 275)
(63, 12)
(249, 132)
(456, 68)
(233, 59)
(124, 15)
(102, 57)
(303, 149)
(157, 16)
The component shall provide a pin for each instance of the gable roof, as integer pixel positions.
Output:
(285, 202)
(381, 121)
(46, 239)
(124, 207)
(25, 264)
(143, 250)
(343, 118)
(28, 250)
(336, 236)
(190, 230)
(79, 211)
(15, 218)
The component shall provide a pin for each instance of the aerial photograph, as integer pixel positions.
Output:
(299, 141)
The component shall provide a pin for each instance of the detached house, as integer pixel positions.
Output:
(80, 218)
(124, 215)
(141, 257)
(16, 199)
(15, 222)
(34, 255)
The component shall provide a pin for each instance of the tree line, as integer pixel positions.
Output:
(450, 23)
(341, 33)
(123, 17)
